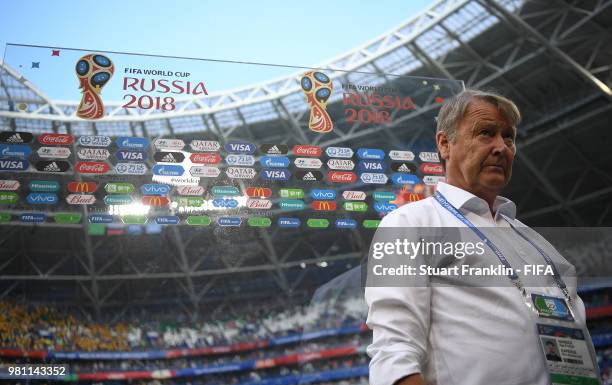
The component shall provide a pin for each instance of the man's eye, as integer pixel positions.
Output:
(486, 132)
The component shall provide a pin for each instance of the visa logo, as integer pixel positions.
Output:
(240, 147)
(323, 194)
(275, 174)
(371, 166)
(131, 155)
(17, 165)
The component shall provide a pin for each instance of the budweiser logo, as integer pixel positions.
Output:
(55, 139)
(80, 199)
(190, 190)
(9, 185)
(354, 195)
(307, 150)
(261, 204)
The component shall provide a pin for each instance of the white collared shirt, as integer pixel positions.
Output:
(456, 335)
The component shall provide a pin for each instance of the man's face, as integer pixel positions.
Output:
(480, 159)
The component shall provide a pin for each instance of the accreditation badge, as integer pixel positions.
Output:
(566, 345)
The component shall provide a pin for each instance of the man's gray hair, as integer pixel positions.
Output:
(454, 109)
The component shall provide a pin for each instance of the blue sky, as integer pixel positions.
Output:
(267, 31)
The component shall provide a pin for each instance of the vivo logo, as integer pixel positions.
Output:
(240, 147)
(274, 161)
(42, 198)
(384, 207)
(155, 189)
(323, 194)
(225, 203)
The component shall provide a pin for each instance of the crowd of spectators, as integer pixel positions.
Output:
(36, 327)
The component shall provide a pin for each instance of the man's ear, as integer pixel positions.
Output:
(443, 145)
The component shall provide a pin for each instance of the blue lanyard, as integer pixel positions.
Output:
(502, 258)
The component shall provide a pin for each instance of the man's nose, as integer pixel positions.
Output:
(499, 145)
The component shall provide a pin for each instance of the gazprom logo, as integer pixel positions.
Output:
(15, 150)
(154, 189)
(168, 170)
(371, 153)
(400, 178)
(289, 222)
(132, 142)
(274, 161)
(318, 194)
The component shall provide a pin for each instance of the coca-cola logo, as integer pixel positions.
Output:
(432, 168)
(209, 158)
(305, 150)
(52, 139)
(92, 167)
(341, 176)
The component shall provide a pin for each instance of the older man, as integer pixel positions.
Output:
(425, 333)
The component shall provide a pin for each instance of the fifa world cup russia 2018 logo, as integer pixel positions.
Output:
(318, 88)
(93, 71)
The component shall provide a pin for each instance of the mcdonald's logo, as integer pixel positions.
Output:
(259, 192)
(413, 197)
(154, 200)
(323, 205)
(82, 187)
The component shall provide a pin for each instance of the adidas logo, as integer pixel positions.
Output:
(309, 176)
(403, 168)
(168, 158)
(52, 167)
(15, 138)
(274, 150)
